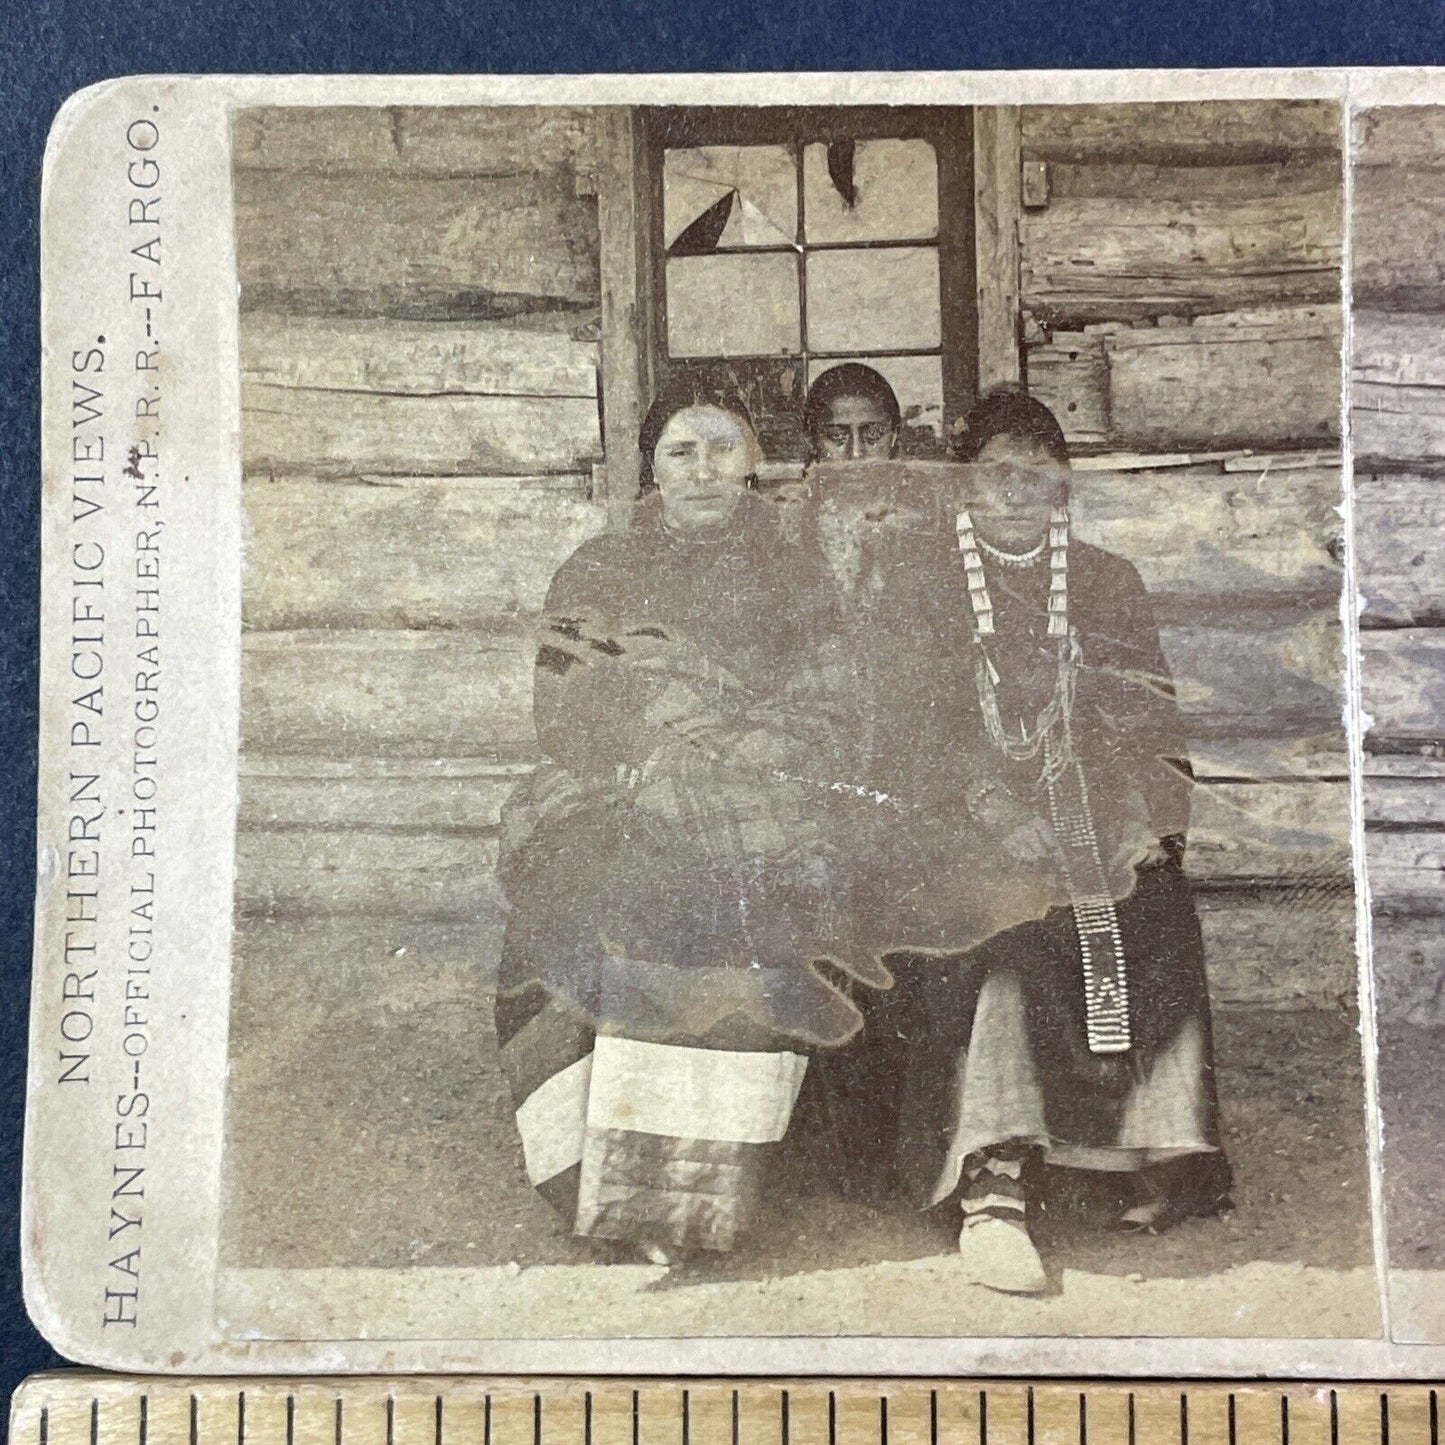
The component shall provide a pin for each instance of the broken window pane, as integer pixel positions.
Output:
(733, 305)
(726, 196)
(873, 300)
(870, 190)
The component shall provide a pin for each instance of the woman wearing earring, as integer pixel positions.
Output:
(666, 873)
(1081, 1039)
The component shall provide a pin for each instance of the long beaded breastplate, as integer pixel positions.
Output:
(1096, 919)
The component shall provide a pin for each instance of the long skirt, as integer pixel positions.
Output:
(641, 1142)
(990, 1046)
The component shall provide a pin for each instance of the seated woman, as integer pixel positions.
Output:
(666, 872)
(1083, 1037)
(851, 415)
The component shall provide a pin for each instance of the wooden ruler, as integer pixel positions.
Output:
(78, 1408)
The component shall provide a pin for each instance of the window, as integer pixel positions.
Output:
(785, 242)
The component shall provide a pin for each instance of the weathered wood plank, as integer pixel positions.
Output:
(1091, 259)
(537, 355)
(1294, 948)
(1203, 537)
(1273, 951)
(1256, 678)
(1181, 132)
(1408, 960)
(1227, 380)
(1406, 870)
(287, 430)
(454, 141)
(1070, 375)
(1267, 832)
(1399, 202)
(414, 246)
(416, 793)
(1297, 174)
(403, 694)
(448, 693)
(996, 220)
(1408, 801)
(434, 876)
(1239, 832)
(1397, 387)
(1403, 683)
(1400, 548)
(353, 554)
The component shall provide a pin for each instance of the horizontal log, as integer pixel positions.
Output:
(1397, 388)
(1406, 870)
(361, 693)
(529, 356)
(1276, 952)
(1292, 948)
(1181, 132)
(440, 554)
(1263, 677)
(1406, 803)
(446, 876)
(1187, 180)
(1203, 537)
(420, 246)
(1396, 260)
(286, 430)
(1239, 832)
(1403, 683)
(467, 693)
(412, 793)
(1408, 962)
(1093, 259)
(1296, 833)
(1400, 549)
(1226, 381)
(434, 140)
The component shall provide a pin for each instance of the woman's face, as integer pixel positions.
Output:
(703, 459)
(854, 428)
(1020, 490)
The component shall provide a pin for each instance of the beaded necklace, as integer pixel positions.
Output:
(1096, 920)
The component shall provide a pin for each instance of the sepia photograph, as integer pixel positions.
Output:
(794, 776)
(1398, 441)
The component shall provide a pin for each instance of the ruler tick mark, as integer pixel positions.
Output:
(1334, 1419)
(883, 1419)
(686, 1416)
(240, 1417)
(45, 1425)
(832, 1419)
(487, 1418)
(1284, 1420)
(1384, 1418)
(637, 1418)
(1434, 1419)
(390, 1419)
(145, 1422)
(983, 1417)
(338, 1420)
(1232, 1440)
(1029, 1415)
(537, 1418)
(438, 1418)
(195, 1419)
(1184, 1420)
(1131, 1426)
(94, 1420)
(785, 1405)
(1083, 1419)
(587, 1418)
(932, 1418)
(736, 1430)
(290, 1420)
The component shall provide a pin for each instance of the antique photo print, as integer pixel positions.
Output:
(701, 724)
(791, 717)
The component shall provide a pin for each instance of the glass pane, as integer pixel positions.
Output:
(873, 300)
(716, 196)
(733, 305)
(884, 190)
(917, 382)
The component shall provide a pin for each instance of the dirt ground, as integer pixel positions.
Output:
(382, 1136)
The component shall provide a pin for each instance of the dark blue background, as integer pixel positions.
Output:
(49, 50)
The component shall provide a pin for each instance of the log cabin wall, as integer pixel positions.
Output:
(420, 313)
(423, 294)
(1398, 439)
(1180, 310)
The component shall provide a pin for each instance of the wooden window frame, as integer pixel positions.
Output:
(979, 203)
